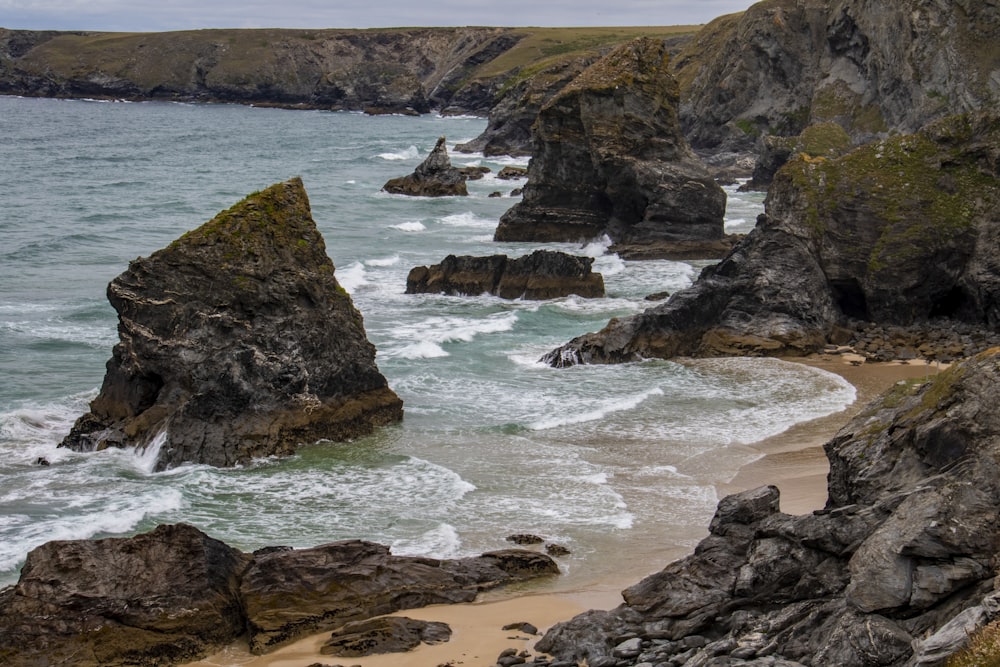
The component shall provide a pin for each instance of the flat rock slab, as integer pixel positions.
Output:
(390, 634)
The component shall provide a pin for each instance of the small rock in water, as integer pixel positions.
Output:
(553, 549)
(524, 538)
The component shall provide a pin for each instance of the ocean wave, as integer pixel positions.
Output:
(410, 153)
(616, 405)
(414, 226)
(467, 219)
(352, 276)
(386, 261)
(450, 329)
(442, 541)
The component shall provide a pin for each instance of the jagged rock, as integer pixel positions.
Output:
(434, 177)
(289, 594)
(162, 598)
(236, 342)
(900, 232)
(544, 274)
(174, 595)
(825, 140)
(892, 572)
(610, 159)
(510, 173)
(871, 67)
(391, 634)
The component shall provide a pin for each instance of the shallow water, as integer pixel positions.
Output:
(617, 463)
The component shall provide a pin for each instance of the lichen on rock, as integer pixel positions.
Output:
(236, 341)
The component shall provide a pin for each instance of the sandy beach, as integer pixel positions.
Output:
(793, 461)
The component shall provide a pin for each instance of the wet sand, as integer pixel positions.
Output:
(793, 461)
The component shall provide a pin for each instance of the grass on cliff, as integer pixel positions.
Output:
(983, 649)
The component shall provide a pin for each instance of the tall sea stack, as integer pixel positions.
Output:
(236, 342)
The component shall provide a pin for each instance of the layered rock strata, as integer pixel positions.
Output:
(434, 177)
(544, 274)
(610, 159)
(175, 595)
(236, 341)
(896, 569)
(903, 232)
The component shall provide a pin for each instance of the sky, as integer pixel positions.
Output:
(162, 15)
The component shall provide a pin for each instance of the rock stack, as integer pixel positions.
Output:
(434, 177)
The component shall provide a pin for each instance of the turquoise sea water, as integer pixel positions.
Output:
(617, 463)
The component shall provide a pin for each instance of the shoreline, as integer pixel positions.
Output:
(793, 461)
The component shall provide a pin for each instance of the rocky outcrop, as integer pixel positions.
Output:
(174, 595)
(902, 556)
(610, 159)
(396, 71)
(900, 232)
(544, 274)
(873, 68)
(236, 342)
(389, 634)
(434, 177)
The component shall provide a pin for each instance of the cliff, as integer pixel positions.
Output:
(899, 232)
(896, 570)
(237, 342)
(610, 159)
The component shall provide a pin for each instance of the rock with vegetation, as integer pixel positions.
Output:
(175, 595)
(610, 159)
(871, 67)
(903, 232)
(434, 177)
(544, 274)
(825, 140)
(900, 559)
(236, 342)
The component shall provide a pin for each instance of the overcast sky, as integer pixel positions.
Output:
(160, 15)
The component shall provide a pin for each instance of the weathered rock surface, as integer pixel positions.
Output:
(174, 595)
(390, 634)
(544, 274)
(434, 177)
(871, 67)
(394, 71)
(235, 342)
(900, 560)
(904, 231)
(610, 159)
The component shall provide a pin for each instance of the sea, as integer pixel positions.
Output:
(619, 464)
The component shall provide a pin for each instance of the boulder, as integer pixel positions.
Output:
(236, 341)
(174, 595)
(544, 274)
(434, 177)
(389, 634)
(895, 570)
(162, 598)
(610, 159)
(900, 232)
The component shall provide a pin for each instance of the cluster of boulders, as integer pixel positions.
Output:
(940, 341)
(543, 274)
(175, 594)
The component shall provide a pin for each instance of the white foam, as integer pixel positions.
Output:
(387, 261)
(420, 350)
(405, 154)
(415, 226)
(597, 248)
(442, 541)
(146, 457)
(352, 276)
(617, 405)
(467, 219)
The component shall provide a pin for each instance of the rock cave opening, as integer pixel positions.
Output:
(850, 298)
(955, 303)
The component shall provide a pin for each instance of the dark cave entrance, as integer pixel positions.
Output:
(850, 298)
(952, 304)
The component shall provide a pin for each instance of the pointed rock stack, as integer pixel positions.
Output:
(434, 177)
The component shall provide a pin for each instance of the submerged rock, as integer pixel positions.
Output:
(434, 177)
(175, 595)
(903, 551)
(900, 232)
(235, 342)
(544, 274)
(610, 159)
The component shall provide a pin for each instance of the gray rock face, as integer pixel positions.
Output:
(236, 341)
(896, 566)
(900, 232)
(871, 67)
(610, 159)
(434, 177)
(175, 595)
(544, 274)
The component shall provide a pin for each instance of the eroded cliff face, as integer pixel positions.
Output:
(387, 70)
(896, 570)
(610, 159)
(902, 231)
(236, 342)
(872, 67)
